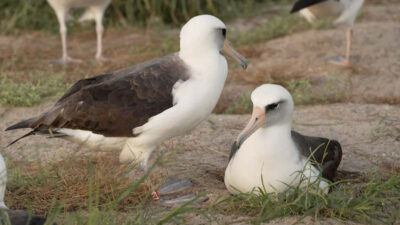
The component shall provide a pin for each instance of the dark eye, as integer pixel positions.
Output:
(224, 32)
(271, 107)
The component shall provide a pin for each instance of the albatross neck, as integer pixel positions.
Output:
(199, 57)
(277, 132)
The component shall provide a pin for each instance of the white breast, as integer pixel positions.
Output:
(194, 101)
(262, 160)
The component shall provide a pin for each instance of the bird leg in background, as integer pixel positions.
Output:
(349, 35)
(61, 16)
(347, 60)
(99, 33)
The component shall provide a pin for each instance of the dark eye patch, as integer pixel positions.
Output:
(271, 107)
(223, 32)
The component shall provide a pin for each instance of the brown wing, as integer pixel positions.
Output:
(325, 152)
(114, 104)
(85, 83)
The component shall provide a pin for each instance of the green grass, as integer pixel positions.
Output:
(241, 106)
(371, 198)
(375, 201)
(303, 92)
(37, 14)
(43, 190)
(277, 26)
(33, 91)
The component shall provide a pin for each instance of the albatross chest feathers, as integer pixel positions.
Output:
(264, 161)
(267, 155)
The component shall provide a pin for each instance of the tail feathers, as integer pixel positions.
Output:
(24, 136)
(22, 124)
(301, 4)
(51, 134)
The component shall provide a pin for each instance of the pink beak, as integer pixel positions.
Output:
(257, 120)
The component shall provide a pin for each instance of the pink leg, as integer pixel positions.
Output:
(99, 33)
(61, 15)
(346, 61)
(348, 46)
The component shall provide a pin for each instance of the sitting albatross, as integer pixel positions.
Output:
(95, 11)
(345, 10)
(268, 154)
(14, 217)
(137, 108)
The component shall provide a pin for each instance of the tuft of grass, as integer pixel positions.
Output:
(33, 91)
(277, 26)
(301, 90)
(242, 106)
(89, 190)
(304, 93)
(375, 201)
(31, 14)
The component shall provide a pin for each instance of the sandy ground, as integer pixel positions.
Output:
(375, 79)
(365, 123)
(369, 134)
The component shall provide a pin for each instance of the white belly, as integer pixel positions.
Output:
(267, 167)
(94, 141)
(327, 9)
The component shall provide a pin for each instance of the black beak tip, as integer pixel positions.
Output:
(244, 64)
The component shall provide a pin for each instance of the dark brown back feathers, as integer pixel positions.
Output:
(115, 103)
(301, 4)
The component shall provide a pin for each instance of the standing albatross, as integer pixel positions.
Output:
(137, 108)
(345, 10)
(268, 154)
(95, 11)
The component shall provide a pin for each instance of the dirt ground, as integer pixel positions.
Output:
(366, 121)
(369, 134)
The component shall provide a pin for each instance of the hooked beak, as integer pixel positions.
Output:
(257, 120)
(231, 52)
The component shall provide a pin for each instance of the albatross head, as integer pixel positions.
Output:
(272, 106)
(204, 34)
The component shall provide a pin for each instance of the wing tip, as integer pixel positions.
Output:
(338, 151)
(23, 136)
(20, 125)
(234, 149)
(296, 7)
(302, 4)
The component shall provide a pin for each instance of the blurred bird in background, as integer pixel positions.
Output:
(344, 10)
(94, 11)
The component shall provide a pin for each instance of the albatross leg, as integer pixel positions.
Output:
(349, 35)
(61, 16)
(173, 192)
(347, 61)
(99, 13)
(132, 153)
